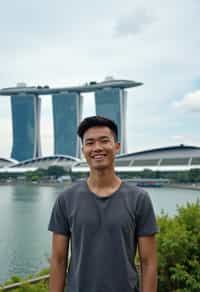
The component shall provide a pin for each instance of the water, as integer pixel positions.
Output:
(24, 215)
(24, 240)
(167, 199)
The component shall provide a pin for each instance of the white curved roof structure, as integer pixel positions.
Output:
(174, 158)
(6, 162)
(47, 161)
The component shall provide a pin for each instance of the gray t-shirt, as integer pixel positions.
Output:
(103, 232)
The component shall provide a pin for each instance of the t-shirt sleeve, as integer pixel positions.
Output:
(145, 216)
(59, 222)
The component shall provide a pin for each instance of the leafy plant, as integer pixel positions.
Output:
(179, 250)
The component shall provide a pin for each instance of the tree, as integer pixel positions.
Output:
(56, 171)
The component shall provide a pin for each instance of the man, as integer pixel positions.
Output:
(105, 219)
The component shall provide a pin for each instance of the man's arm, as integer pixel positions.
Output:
(148, 263)
(59, 259)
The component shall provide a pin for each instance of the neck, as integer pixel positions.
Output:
(103, 178)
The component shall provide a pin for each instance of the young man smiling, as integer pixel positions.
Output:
(106, 220)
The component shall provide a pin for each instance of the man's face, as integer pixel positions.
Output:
(99, 147)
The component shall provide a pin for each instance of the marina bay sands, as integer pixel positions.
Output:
(67, 104)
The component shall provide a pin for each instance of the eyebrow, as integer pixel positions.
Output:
(101, 137)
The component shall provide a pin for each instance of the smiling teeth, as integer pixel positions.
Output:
(99, 156)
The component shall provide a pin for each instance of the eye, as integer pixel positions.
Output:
(105, 140)
(88, 143)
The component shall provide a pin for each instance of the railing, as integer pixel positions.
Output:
(19, 284)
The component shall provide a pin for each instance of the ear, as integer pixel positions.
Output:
(82, 150)
(118, 147)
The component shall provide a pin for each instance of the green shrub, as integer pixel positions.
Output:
(13, 279)
(39, 287)
(179, 250)
(43, 272)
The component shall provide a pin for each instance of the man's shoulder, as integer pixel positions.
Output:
(134, 194)
(73, 189)
(132, 189)
(141, 201)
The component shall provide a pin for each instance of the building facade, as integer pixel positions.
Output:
(25, 126)
(67, 113)
(112, 103)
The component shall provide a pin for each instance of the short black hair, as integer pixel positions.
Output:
(97, 121)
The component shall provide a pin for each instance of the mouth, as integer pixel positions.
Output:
(98, 157)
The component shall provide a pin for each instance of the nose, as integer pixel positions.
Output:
(97, 146)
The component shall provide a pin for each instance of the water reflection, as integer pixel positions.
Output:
(25, 194)
(24, 239)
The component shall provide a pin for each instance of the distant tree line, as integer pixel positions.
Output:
(191, 176)
(52, 171)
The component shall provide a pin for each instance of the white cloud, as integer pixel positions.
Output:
(190, 102)
(134, 22)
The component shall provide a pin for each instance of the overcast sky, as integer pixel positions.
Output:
(62, 43)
